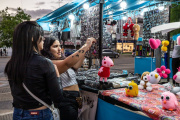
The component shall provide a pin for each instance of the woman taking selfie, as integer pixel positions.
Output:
(67, 68)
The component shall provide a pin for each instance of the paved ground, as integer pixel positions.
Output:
(124, 62)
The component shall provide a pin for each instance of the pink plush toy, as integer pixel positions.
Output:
(154, 43)
(104, 71)
(176, 77)
(169, 101)
(163, 72)
(178, 40)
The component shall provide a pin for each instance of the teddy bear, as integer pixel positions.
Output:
(136, 29)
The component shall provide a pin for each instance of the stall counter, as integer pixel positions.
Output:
(147, 102)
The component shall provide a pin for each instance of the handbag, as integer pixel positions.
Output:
(55, 111)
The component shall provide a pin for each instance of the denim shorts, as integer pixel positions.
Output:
(20, 114)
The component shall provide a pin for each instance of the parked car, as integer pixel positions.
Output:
(68, 52)
(110, 53)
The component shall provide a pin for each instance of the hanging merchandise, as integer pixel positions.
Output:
(65, 24)
(165, 43)
(125, 27)
(154, 43)
(90, 28)
(131, 27)
(154, 18)
(111, 26)
(136, 29)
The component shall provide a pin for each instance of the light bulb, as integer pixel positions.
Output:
(124, 18)
(123, 4)
(161, 8)
(71, 16)
(86, 6)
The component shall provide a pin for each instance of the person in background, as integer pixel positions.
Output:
(38, 73)
(67, 68)
(1, 51)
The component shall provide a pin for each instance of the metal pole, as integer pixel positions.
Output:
(169, 46)
(101, 30)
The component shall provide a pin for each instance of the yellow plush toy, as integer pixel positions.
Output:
(132, 89)
(165, 43)
(136, 29)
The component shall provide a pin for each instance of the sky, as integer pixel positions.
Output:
(35, 8)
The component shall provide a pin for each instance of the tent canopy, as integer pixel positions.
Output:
(62, 10)
(110, 5)
(165, 28)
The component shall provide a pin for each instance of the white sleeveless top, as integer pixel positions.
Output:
(68, 78)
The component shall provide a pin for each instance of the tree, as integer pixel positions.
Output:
(8, 24)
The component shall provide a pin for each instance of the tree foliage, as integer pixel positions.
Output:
(175, 17)
(8, 24)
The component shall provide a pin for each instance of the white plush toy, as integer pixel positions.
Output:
(154, 77)
(176, 77)
(144, 84)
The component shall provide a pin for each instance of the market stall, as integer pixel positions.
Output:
(108, 22)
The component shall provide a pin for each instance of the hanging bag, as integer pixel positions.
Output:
(55, 111)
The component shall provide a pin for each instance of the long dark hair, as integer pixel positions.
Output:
(48, 42)
(26, 37)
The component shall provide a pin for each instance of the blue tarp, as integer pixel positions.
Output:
(109, 5)
(62, 10)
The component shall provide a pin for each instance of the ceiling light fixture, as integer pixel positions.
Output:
(86, 6)
(123, 4)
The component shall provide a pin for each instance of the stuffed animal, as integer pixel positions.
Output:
(125, 28)
(154, 43)
(165, 43)
(176, 77)
(169, 101)
(104, 71)
(163, 72)
(111, 26)
(136, 29)
(144, 84)
(168, 86)
(154, 77)
(131, 28)
(132, 89)
(114, 26)
(178, 40)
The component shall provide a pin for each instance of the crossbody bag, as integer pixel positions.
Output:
(55, 111)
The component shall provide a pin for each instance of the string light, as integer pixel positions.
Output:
(86, 6)
(71, 16)
(123, 4)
